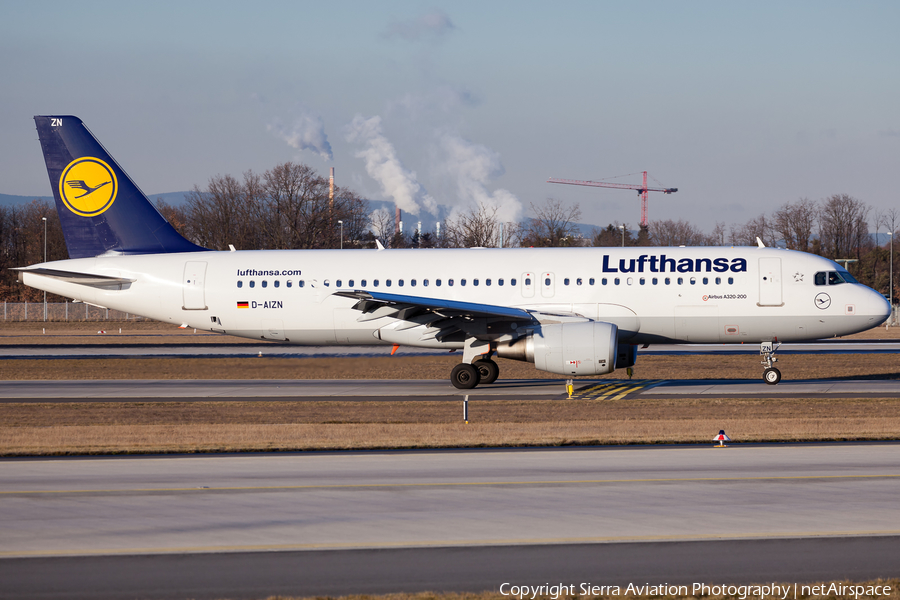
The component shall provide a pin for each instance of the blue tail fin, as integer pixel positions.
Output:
(100, 208)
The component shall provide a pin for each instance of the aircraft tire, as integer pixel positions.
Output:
(772, 376)
(487, 370)
(464, 376)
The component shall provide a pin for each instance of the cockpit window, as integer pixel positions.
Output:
(847, 277)
(834, 278)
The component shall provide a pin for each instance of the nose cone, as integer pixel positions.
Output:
(876, 307)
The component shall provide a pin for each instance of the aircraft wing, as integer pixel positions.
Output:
(375, 305)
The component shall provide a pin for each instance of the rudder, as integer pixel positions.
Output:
(101, 210)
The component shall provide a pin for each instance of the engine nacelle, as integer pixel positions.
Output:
(567, 348)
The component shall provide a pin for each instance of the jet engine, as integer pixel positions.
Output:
(567, 348)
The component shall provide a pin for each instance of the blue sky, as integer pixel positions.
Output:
(742, 106)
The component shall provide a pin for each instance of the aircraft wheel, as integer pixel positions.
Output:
(464, 376)
(487, 370)
(772, 375)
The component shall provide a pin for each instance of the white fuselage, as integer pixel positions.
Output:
(654, 295)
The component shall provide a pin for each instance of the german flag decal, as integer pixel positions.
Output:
(243, 305)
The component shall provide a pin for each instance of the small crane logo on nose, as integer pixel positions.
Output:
(823, 300)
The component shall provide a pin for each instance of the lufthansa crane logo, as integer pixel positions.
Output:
(88, 186)
(823, 300)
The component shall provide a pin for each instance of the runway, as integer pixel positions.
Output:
(181, 390)
(94, 348)
(453, 520)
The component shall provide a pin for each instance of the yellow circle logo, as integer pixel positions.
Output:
(88, 186)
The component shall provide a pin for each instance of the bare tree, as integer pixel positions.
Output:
(479, 227)
(795, 223)
(843, 229)
(747, 234)
(676, 233)
(553, 225)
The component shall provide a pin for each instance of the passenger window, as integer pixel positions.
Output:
(462, 282)
(705, 280)
(547, 282)
(375, 283)
(400, 283)
(387, 282)
(820, 278)
(265, 283)
(437, 282)
(578, 281)
(326, 283)
(655, 281)
(643, 281)
(527, 281)
(730, 280)
(616, 281)
(603, 281)
(450, 282)
(718, 281)
(500, 281)
(412, 283)
(693, 280)
(363, 283)
(425, 282)
(240, 284)
(591, 281)
(350, 283)
(512, 282)
(630, 280)
(487, 282)
(277, 283)
(338, 283)
(474, 282)
(300, 283)
(680, 281)
(287, 283)
(668, 281)
(565, 281)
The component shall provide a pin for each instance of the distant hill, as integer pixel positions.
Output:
(173, 198)
(178, 199)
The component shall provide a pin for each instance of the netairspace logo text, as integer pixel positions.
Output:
(741, 592)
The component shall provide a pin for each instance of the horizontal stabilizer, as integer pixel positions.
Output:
(88, 279)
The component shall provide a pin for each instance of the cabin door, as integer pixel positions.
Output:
(770, 282)
(193, 285)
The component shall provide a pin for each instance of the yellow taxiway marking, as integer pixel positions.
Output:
(445, 543)
(615, 391)
(338, 486)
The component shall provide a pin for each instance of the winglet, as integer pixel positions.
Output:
(759, 242)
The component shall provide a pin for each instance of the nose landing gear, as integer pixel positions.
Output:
(767, 350)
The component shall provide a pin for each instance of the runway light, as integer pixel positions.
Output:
(721, 438)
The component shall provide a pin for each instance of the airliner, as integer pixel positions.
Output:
(570, 311)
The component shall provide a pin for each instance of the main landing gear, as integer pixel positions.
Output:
(465, 376)
(771, 375)
(476, 367)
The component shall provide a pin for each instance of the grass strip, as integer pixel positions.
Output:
(38, 429)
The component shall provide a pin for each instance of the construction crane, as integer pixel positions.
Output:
(642, 190)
